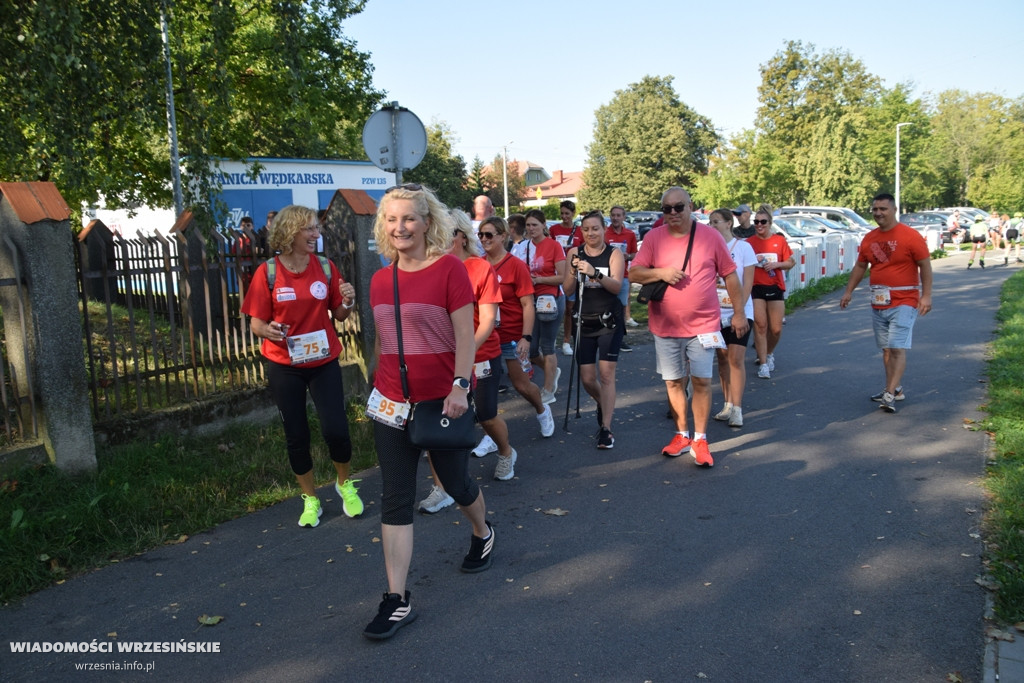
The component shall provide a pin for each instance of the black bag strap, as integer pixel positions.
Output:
(503, 261)
(689, 245)
(403, 371)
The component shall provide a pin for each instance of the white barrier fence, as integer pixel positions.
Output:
(832, 254)
(820, 257)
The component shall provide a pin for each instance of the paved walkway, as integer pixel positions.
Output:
(830, 542)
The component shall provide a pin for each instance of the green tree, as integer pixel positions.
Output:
(441, 169)
(477, 182)
(978, 142)
(833, 171)
(645, 140)
(920, 185)
(798, 86)
(494, 184)
(84, 92)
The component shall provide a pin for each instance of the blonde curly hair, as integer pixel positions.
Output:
(428, 207)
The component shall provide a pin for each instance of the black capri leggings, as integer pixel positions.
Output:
(288, 385)
(398, 459)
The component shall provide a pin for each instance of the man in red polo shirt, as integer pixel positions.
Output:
(623, 239)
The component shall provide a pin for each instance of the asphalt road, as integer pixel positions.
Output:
(830, 542)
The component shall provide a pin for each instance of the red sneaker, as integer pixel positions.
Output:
(701, 453)
(679, 445)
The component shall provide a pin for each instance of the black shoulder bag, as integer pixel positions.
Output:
(655, 291)
(429, 428)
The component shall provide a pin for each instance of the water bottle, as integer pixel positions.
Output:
(527, 366)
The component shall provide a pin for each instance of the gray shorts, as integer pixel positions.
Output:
(680, 357)
(894, 327)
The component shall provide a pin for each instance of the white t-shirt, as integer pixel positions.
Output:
(742, 255)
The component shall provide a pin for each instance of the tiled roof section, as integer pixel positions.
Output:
(521, 166)
(184, 220)
(561, 184)
(360, 202)
(94, 224)
(34, 202)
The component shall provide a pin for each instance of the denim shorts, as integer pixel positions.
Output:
(679, 357)
(624, 293)
(508, 350)
(894, 327)
(546, 331)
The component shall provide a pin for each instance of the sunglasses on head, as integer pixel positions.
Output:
(678, 208)
(486, 235)
(412, 187)
(761, 221)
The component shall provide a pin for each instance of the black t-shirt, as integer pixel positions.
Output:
(743, 233)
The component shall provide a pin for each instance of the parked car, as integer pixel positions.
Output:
(815, 224)
(922, 221)
(641, 221)
(948, 236)
(793, 233)
(836, 214)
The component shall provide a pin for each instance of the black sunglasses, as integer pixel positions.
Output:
(678, 208)
(761, 221)
(412, 187)
(486, 235)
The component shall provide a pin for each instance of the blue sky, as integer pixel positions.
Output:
(532, 73)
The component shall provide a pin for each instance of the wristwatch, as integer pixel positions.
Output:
(599, 276)
(461, 383)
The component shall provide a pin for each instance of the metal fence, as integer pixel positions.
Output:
(17, 394)
(162, 318)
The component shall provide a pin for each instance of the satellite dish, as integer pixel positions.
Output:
(394, 139)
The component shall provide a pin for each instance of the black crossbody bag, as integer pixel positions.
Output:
(429, 428)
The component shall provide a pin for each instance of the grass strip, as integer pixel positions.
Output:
(146, 494)
(1004, 522)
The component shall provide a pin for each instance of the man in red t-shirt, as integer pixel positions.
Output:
(623, 239)
(898, 256)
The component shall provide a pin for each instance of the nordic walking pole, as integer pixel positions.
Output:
(575, 349)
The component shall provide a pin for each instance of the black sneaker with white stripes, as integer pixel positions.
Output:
(479, 557)
(393, 614)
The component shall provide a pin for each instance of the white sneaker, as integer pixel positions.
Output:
(485, 446)
(736, 419)
(632, 323)
(437, 500)
(505, 469)
(547, 422)
(566, 349)
(558, 376)
(763, 372)
(725, 413)
(771, 362)
(546, 396)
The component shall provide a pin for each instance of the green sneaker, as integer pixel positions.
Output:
(350, 501)
(311, 514)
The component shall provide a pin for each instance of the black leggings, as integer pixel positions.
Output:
(398, 459)
(288, 385)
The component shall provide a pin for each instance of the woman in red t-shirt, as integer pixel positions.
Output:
(486, 362)
(301, 348)
(774, 258)
(546, 260)
(517, 316)
(414, 232)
